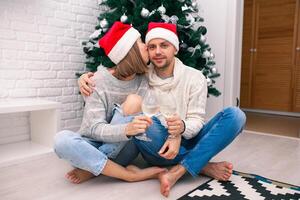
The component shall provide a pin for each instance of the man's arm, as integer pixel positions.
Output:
(86, 84)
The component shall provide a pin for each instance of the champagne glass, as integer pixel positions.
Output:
(150, 107)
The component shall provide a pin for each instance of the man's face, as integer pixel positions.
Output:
(161, 53)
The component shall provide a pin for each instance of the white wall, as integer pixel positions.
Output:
(40, 51)
(223, 22)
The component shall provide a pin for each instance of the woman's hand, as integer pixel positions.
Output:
(171, 148)
(86, 84)
(138, 125)
(175, 125)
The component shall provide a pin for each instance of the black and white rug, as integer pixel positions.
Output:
(242, 186)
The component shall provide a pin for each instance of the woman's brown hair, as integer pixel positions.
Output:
(131, 64)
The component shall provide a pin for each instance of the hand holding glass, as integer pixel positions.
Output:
(150, 107)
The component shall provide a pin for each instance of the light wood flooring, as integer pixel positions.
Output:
(43, 178)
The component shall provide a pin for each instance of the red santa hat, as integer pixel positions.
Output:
(164, 31)
(118, 41)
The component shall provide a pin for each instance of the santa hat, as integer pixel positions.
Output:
(163, 31)
(118, 41)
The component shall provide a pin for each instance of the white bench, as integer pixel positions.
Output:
(44, 123)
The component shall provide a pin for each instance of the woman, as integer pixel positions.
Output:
(87, 150)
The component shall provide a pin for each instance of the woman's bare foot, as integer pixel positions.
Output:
(78, 175)
(146, 173)
(168, 179)
(218, 170)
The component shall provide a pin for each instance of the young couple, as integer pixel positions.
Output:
(106, 142)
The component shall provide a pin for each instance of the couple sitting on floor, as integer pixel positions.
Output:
(108, 141)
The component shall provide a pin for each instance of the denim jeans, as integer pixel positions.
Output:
(91, 155)
(194, 153)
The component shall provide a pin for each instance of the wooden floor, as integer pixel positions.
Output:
(270, 156)
(274, 124)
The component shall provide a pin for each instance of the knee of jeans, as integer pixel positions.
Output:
(132, 104)
(63, 140)
(238, 116)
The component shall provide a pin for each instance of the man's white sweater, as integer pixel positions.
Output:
(189, 86)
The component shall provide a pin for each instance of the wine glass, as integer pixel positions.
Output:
(150, 107)
(168, 106)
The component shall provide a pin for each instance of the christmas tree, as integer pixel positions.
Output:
(194, 51)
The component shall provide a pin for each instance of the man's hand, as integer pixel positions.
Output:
(138, 125)
(86, 84)
(175, 125)
(171, 148)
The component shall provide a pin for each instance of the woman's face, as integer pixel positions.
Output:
(143, 50)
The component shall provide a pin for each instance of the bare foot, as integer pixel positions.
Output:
(218, 170)
(78, 175)
(146, 173)
(168, 179)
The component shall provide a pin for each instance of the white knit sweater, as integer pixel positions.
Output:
(189, 87)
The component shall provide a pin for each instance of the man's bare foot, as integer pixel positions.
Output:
(218, 170)
(78, 175)
(146, 173)
(168, 179)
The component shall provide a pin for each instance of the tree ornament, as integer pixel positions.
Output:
(104, 30)
(181, 1)
(206, 54)
(209, 81)
(184, 8)
(174, 19)
(190, 18)
(202, 39)
(103, 23)
(161, 9)
(212, 56)
(194, 4)
(95, 34)
(214, 70)
(166, 18)
(145, 12)
(191, 49)
(124, 18)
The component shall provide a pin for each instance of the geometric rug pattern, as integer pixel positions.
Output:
(243, 186)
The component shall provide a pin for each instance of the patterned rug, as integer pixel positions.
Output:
(244, 186)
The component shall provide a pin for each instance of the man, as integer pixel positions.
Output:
(188, 144)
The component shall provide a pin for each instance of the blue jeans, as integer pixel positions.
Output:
(194, 153)
(91, 155)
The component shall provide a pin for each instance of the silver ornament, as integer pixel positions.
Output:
(206, 54)
(166, 18)
(202, 39)
(103, 23)
(124, 18)
(145, 13)
(161, 9)
(212, 56)
(95, 34)
(104, 30)
(214, 70)
(191, 49)
(190, 18)
(209, 81)
(194, 4)
(174, 19)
